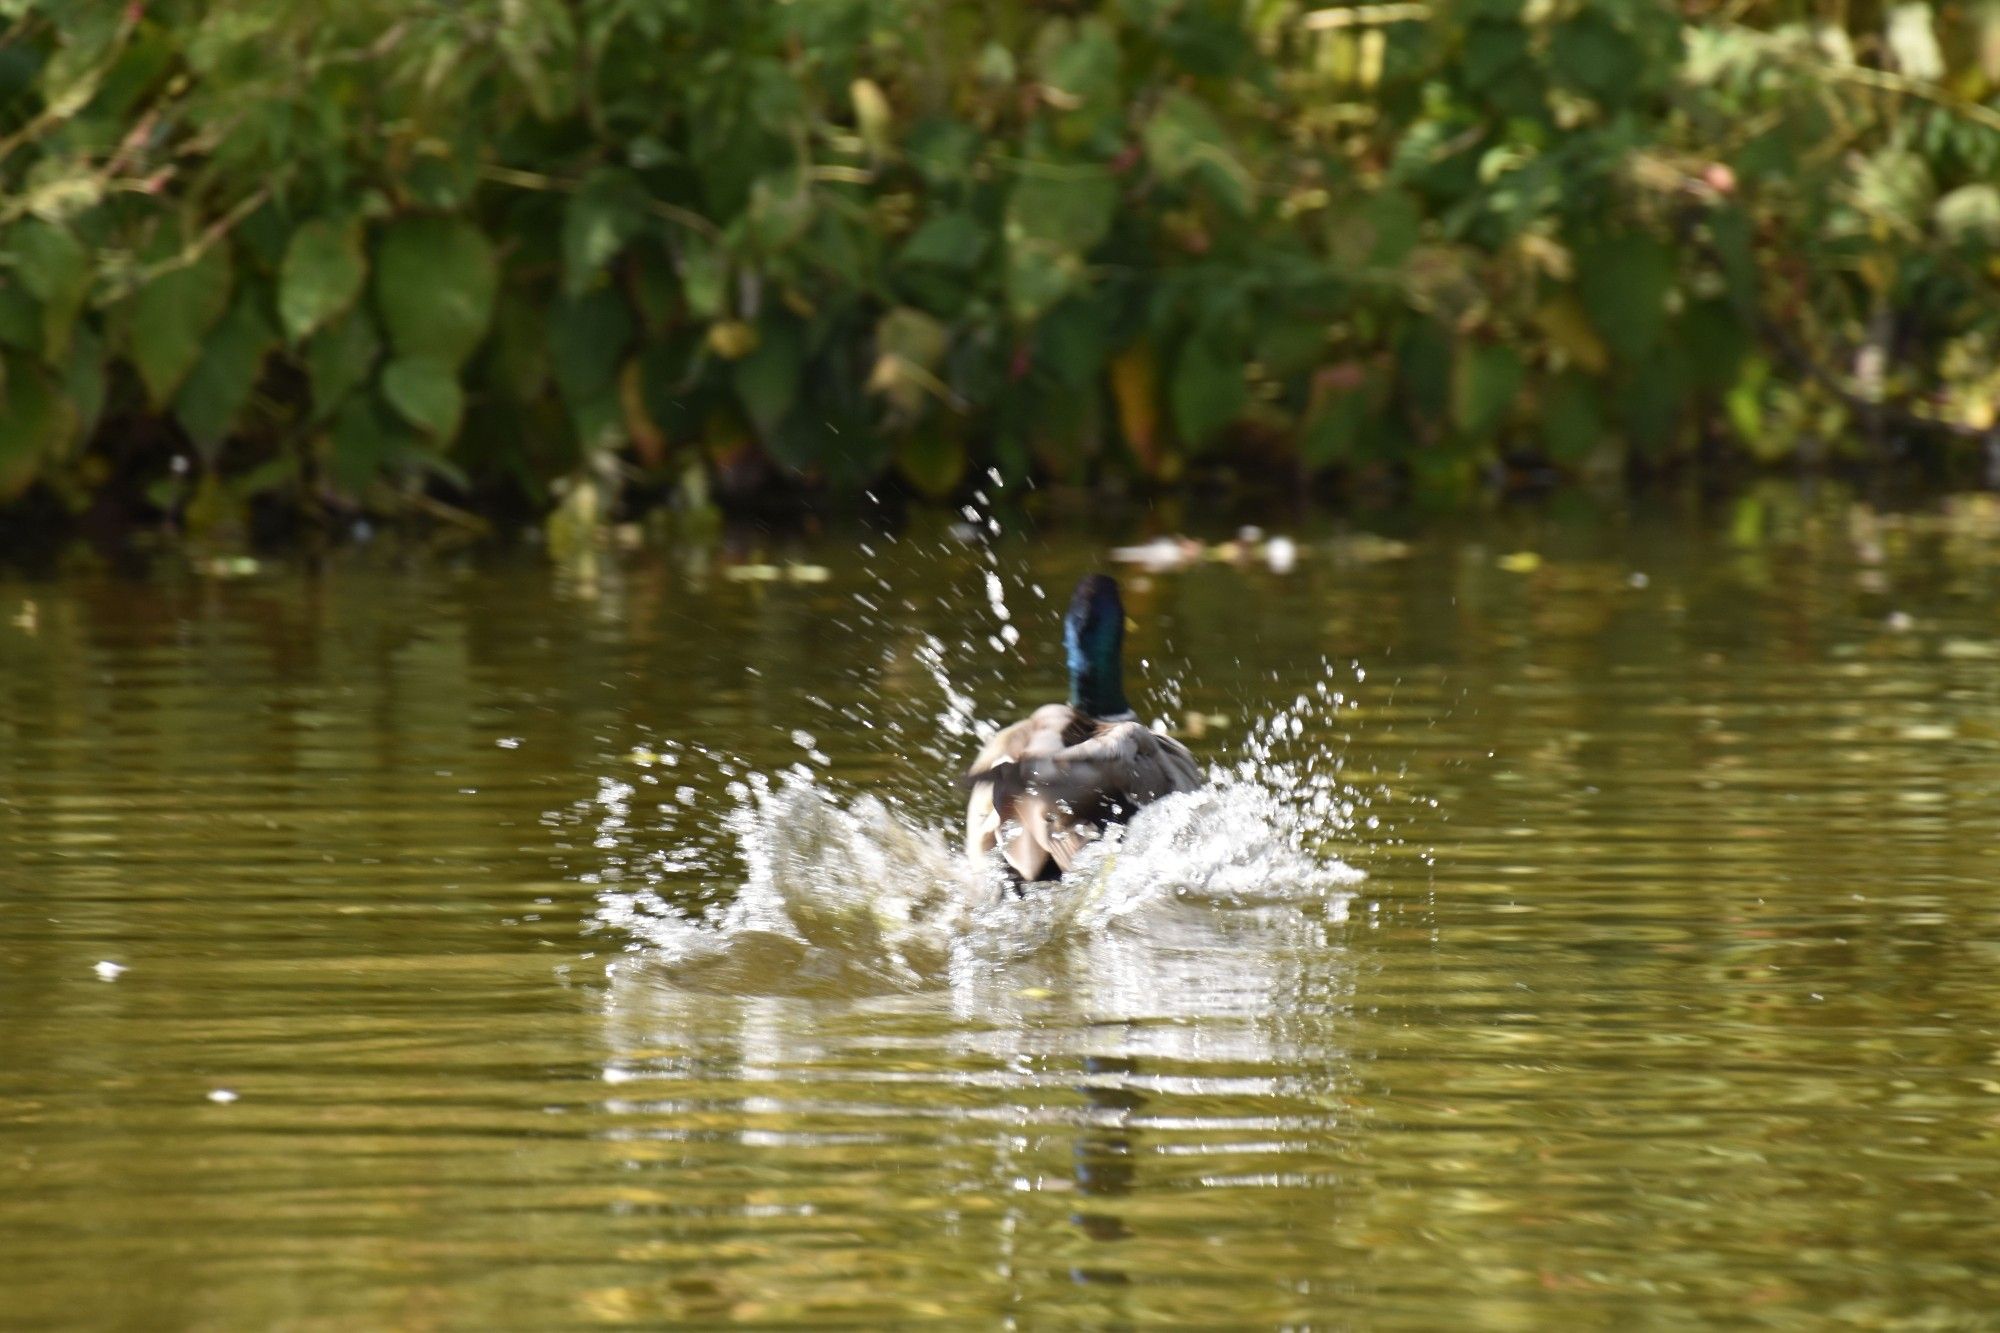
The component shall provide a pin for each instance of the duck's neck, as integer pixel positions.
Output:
(1096, 673)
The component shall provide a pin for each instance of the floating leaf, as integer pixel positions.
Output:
(435, 281)
(426, 394)
(322, 274)
(170, 316)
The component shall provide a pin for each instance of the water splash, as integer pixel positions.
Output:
(795, 882)
(841, 890)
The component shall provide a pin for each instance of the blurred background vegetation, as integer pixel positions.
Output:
(515, 257)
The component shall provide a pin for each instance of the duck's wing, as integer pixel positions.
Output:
(1060, 786)
(1123, 763)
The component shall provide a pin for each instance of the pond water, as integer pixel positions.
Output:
(1595, 926)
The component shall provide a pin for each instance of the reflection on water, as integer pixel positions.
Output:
(584, 947)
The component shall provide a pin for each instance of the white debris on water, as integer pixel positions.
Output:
(109, 971)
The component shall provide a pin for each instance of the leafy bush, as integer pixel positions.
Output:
(367, 255)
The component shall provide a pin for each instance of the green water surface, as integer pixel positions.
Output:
(1680, 1007)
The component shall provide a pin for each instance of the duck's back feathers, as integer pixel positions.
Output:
(1058, 778)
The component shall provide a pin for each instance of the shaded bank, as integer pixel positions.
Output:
(514, 258)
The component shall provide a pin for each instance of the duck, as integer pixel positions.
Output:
(1045, 788)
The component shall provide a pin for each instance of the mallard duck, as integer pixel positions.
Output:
(1043, 789)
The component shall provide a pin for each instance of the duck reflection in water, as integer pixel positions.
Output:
(1104, 1162)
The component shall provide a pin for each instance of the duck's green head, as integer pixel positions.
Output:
(1094, 644)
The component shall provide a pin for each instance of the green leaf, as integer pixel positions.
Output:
(427, 395)
(1039, 277)
(435, 281)
(339, 358)
(36, 423)
(20, 317)
(1078, 62)
(1329, 437)
(1652, 402)
(170, 316)
(943, 151)
(1734, 247)
(1207, 390)
(1066, 206)
(84, 381)
(1572, 422)
(55, 267)
(948, 240)
(363, 440)
(602, 217)
(1895, 185)
(704, 276)
(767, 380)
(1623, 283)
(655, 290)
(1715, 341)
(1055, 213)
(1589, 53)
(221, 381)
(321, 275)
(1424, 366)
(1970, 213)
(1485, 379)
(933, 462)
(1074, 340)
(588, 339)
(1184, 139)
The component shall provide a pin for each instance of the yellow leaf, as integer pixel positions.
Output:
(1569, 328)
(648, 439)
(1135, 386)
(732, 339)
(871, 113)
(1521, 562)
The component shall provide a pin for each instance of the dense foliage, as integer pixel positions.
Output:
(402, 252)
